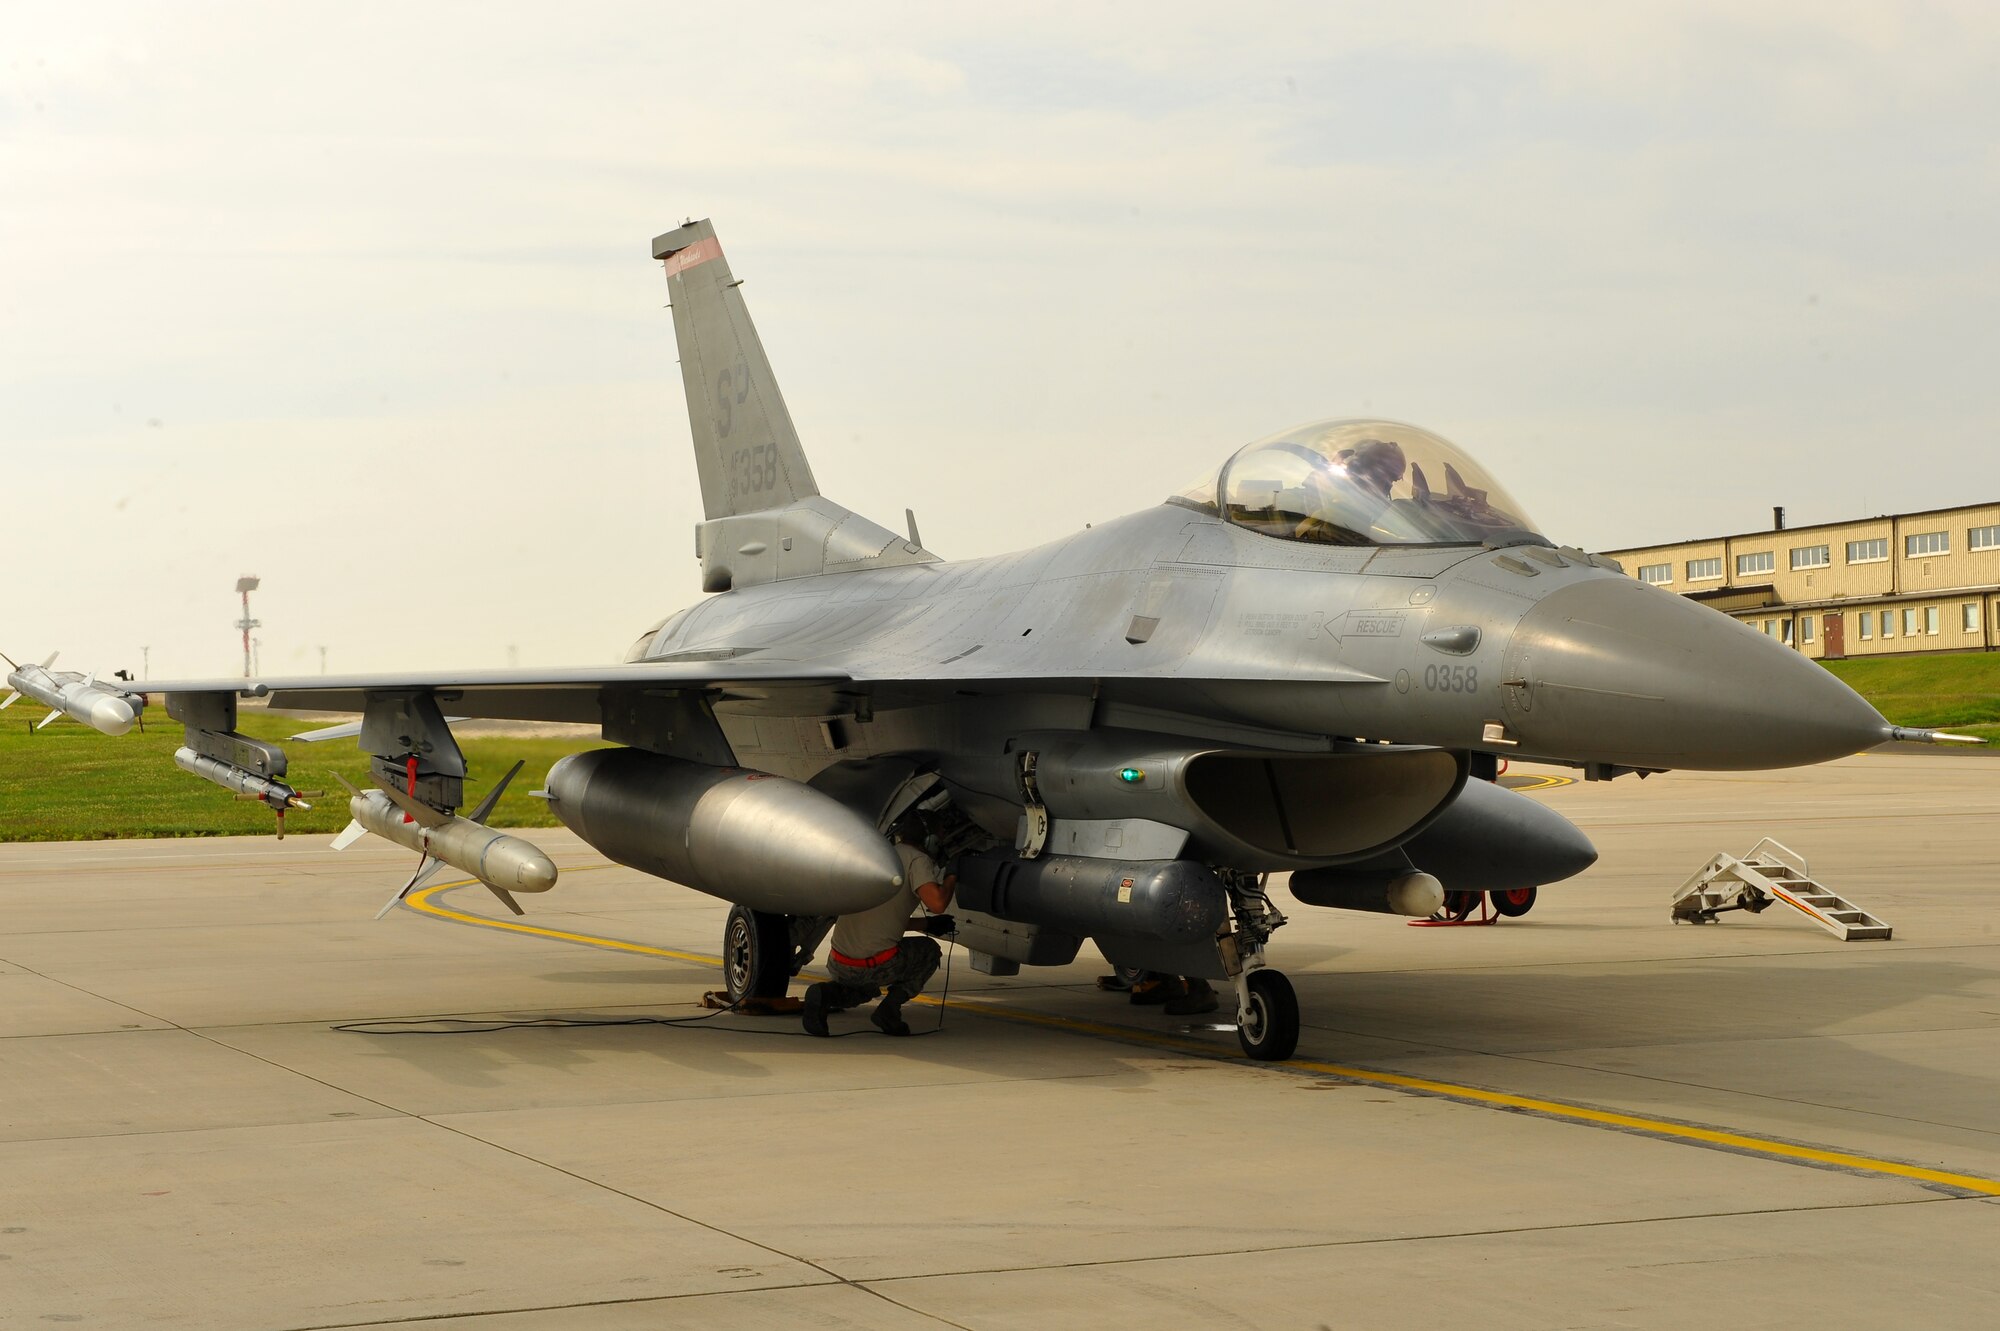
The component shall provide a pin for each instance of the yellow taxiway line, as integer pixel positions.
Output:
(1537, 781)
(425, 902)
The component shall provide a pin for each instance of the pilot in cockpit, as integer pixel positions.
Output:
(1360, 478)
(1375, 464)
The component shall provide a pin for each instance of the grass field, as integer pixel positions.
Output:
(1960, 693)
(69, 783)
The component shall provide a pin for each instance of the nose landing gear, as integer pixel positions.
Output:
(1267, 1008)
(1267, 1014)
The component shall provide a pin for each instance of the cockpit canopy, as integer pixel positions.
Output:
(1363, 483)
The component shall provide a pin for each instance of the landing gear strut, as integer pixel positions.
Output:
(1267, 1010)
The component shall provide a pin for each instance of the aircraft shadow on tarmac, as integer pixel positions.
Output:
(1806, 1027)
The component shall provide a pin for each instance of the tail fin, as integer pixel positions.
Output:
(745, 447)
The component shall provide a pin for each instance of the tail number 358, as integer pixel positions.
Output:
(753, 469)
(1452, 678)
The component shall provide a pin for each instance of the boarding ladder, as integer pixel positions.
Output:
(1771, 872)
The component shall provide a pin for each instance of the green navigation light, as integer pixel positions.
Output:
(1131, 776)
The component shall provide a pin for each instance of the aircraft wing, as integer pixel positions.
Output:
(573, 693)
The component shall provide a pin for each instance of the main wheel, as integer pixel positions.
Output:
(1270, 1029)
(1460, 905)
(1514, 901)
(756, 954)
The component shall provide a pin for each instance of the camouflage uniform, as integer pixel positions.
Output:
(906, 963)
(903, 975)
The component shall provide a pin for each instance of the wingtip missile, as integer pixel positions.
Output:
(77, 696)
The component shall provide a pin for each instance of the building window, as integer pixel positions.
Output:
(1698, 569)
(1867, 626)
(1968, 616)
(1656, 573)
(1764, 561)
(1769, 625)
(1982, 538)
(1868, 552)
(1811, 556)
(1927, 543)
(1931, 620)
(1909, 621)
(1785, 631)
(1805, 628)
(1888, 624)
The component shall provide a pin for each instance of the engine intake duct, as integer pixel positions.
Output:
(1176, 901)
(1250, 808)
(765, 841)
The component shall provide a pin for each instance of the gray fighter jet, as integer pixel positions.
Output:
(1310, 661)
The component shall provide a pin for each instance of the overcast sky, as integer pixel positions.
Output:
(359, 298)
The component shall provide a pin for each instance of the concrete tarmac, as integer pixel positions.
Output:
(1589, 1117)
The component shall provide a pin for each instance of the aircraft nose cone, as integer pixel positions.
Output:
(1611, 670)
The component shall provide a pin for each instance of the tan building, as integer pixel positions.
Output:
(1909, 582)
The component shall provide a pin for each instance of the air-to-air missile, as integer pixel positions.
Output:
(75, 695)
(505, 864)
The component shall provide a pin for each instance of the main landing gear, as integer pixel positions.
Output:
(1267, 1008)
(761, 952)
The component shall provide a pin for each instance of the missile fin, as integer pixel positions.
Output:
(43, 724)
(506, 898)
(353, 833)
(12, 698)
(426, 870)
(485, 809)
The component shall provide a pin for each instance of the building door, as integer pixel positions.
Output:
(1835, 629)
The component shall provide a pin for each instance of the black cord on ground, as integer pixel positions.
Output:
(482, 1026)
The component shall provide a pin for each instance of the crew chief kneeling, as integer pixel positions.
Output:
(870, 953)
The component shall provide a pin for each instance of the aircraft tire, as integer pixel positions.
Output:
(1460, 905)
(756, 954)
(1270, 1031)
(1515, 901)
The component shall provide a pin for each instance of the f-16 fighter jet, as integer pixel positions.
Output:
(1309, 661)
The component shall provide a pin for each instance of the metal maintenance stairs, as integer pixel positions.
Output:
(1771, 872)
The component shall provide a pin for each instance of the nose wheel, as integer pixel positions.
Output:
(1267, 1015)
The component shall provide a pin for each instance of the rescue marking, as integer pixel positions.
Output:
(422, 901)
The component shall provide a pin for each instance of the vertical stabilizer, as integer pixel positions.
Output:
(745, 448)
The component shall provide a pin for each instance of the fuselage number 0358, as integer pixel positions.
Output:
(1452, 678)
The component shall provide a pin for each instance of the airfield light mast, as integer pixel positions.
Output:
(244, 586)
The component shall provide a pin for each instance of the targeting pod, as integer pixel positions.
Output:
(1174, 901)
(1382, 891)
